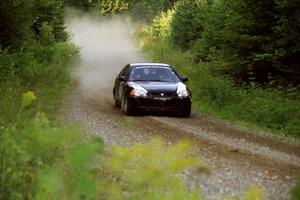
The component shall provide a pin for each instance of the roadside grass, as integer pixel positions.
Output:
(29, 142)
(43, 70)
(41, 161)
(295, 192)
(149, 171)
(262, 109)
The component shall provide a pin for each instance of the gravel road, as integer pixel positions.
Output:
(238, 159)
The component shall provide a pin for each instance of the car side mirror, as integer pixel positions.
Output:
(122, 78)
(184, 79)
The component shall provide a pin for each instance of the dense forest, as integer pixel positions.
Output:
(251, 40)
(241, 57)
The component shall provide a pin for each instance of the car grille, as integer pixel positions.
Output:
(162, 94)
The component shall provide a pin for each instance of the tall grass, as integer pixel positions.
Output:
(41, 69)
(28, 141)
(149, 171)
(39, 161)
(253, 106)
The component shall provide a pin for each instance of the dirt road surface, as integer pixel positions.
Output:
(237, 159)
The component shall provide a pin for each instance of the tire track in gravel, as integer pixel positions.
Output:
(236, 139)
(237, 158)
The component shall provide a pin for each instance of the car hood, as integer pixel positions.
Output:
(159, 87)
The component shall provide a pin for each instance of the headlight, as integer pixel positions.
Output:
(137, 91)
(182, 90)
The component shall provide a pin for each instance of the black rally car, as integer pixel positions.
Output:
(151, 86)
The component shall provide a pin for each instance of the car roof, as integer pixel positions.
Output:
(149, 64)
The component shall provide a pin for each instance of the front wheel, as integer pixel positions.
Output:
(116, 102)
(126, 107)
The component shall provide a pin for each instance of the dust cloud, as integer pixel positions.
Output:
(106, 47)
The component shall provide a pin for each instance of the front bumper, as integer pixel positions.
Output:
(160, 103)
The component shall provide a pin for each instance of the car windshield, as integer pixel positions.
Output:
(153, 73)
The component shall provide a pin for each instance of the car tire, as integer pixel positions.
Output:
(126, 108)
(116, 102)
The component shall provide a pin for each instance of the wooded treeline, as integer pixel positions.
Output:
(34, 53)
(30, 33)
(30, 19)
(250, 40)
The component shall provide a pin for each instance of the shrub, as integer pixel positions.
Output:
(161, 25)
(112, 7)
(187, 22)
(34, 153)
(295, 192)
(82, 4)
(148, 171)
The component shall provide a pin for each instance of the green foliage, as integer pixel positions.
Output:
(25, 19)
(30, 53)
(42, 161)
(112, 7)
(295, 192)
(187, 22)
(46, 36)
(138, 10)
(148, 171)
(148, 9)
(33, 69)
(252, 40)
(34, 153)
(244, 44)
(254, 193)
(16, 18)
(50, 13)
(82, 4)
(38, 161)
(161, 25)
(251, 37)
(73, 176)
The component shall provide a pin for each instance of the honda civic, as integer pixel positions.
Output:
(151, 87)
